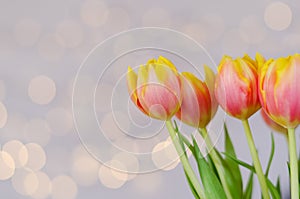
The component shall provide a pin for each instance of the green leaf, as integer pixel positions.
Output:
(235, 187)
(212, 166)
(240, 162)
(249, 187)
(273, 190)
(232, 166)
(183, 140)
(271, 155)
(278, 185)
(191, 186)
(211, 184)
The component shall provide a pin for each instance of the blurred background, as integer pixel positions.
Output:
(44, 43)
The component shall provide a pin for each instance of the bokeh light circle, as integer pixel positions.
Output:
(7, 165)
(42, 90)
(278, 16)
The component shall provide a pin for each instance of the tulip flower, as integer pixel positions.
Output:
(156, 88)
(273, 125)
(279, 93)
(236, 86)
(279, 87)
(236, 90)
(156, 91)
(198, 101)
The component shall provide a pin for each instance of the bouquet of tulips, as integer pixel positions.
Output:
(241, 87)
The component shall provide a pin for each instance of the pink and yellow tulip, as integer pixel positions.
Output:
(198, 103)
(279, 90)
(273, 125)
(156, 88)
(236, 86)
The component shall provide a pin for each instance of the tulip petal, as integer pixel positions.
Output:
(248, 59)
(132, 89)
(158, 91)
(164, 61)
(236, 87)
(131, 81)
(260, 60)
(210, 79)
(195, 109)
(289, 87)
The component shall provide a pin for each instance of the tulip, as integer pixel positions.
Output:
(273, 125)
(279, 90)
(236, 86)
(156, 91)
(279, 93)
(156, 88)
(236, 90)
(198, 101)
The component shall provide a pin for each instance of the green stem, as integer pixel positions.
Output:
(217, 161)
(185, 162)
(257, 165)
(293, 164)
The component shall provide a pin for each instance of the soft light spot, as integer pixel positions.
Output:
(103, 97)
(252, 30)
(111, 178)
(195, 30)
(117, 20)
(18, 152)
(171, 154)
(94, 13)
(15, 124)
(7, 165)
(208, 29)
(36, 156)
(25, 182)
(84, 170)
(44, 186)
(118, 170)
(2, 90)
(114, 125)
(69, 33)
(63, 187)
(57, 154)
(41, 90)
(122, 45)
(148, 183)
(3, 115)
(157, 17)
(60, 121)
(38, 131)
(8, 45)
(233, 43)
(50, 48)
(164, 157)
(278, 16)
(31, 183)
(86, 83)
(130, 162)
(27, 32)
(292, 40)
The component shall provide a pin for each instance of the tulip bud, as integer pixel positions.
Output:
(236, 86)
(155, 90)
(279, 90)
(198, 101)
(273, 125)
